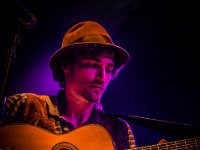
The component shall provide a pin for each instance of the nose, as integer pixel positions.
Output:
(101, 74)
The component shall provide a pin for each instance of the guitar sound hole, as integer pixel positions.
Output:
(64, 146)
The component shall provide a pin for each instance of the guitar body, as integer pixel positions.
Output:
(27, 137)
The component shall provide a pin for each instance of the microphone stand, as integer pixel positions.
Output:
(9, 61)
(167, 127)
(25, 20)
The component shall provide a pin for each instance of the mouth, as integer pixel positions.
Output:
(97, 86)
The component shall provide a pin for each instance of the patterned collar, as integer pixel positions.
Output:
(55, 103)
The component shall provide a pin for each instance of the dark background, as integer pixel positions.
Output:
(162, 79)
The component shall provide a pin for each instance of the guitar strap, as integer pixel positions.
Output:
(167, 127)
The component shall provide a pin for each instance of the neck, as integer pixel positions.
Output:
(77, 110)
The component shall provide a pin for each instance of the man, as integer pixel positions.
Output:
(84, 66)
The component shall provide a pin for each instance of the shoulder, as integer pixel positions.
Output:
(120, 130)
(115, 120)
(113, 123)
(13, 104)
(22, 97)
(15, 101)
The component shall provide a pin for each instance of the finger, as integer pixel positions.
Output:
(162, 141)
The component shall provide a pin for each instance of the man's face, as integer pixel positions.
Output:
(89, 77)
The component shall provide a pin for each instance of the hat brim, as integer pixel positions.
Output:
(121, 56)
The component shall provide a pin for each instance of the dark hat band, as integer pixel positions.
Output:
(97, 38)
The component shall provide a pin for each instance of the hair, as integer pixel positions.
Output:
(68, 59)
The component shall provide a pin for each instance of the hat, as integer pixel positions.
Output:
(85, 35)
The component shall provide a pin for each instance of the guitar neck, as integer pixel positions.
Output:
(191, 144)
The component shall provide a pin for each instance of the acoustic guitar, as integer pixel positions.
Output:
(28, 137)
(88, 137)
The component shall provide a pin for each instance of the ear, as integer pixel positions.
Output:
(65, 68)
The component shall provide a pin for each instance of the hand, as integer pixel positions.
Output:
(162, 141)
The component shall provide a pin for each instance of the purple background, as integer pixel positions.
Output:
(162, 79)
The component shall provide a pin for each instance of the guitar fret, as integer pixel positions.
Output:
(181, 145)
(146, 148)
(154, 147)
(138, 148)
(186, 144)
(162, 146)
(172, 145)
(197, 141)
(191, 143)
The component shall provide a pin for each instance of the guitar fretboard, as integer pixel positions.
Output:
(187, 144)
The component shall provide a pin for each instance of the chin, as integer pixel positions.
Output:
(93, 96)
(94, 99)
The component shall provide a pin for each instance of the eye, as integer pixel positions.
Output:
(91, 64)
(109, 70)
